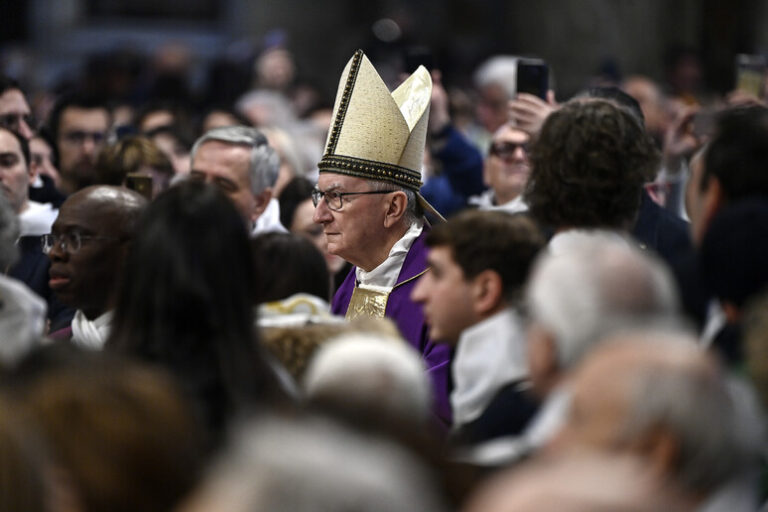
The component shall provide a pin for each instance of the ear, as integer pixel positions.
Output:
(261, 201)
(662, 450)
(396, 206)
(487, 291)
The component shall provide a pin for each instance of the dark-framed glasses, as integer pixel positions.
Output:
(507, 150)
(78, 137)
(335, 199)
(69, 242)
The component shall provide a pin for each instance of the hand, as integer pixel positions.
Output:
(680, 141)
(439, 113)
(528, 112)
(740, 98)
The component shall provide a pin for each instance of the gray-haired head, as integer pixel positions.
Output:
(498, 70)
(369, 373)
(594, 284)
(265, 162)
(311, 465)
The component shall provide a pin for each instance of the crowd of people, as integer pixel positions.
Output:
(416, 297)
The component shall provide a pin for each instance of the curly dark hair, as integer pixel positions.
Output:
(589, 165)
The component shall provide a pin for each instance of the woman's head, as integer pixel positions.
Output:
(186, 300)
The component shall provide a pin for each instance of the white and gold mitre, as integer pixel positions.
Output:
(377, 134)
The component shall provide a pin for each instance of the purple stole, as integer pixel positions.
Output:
(409, 318)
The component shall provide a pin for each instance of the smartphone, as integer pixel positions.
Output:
(750, 74)
(139, 183)
(533, 77)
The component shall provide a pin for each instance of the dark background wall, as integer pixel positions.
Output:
(576, 36)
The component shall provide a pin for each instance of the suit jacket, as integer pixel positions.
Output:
(409, 318)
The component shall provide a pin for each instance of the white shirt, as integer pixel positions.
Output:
(487, 201)
(91, 334)
(37, 219)
(384, 277)
(489, 355)
(269, 220)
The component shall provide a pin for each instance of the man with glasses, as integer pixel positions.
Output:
(86, 246)
(368, 202)
(79, 126)
(506, 171)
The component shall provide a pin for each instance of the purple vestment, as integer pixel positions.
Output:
(409, 318)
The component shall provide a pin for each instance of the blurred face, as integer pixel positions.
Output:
(14, 175)
(84, 279)
(446, 296)
(507, 167)
(226, 166)
(358, 225)
(82, 133)
(42, 159)
(15, 113)
(303, 225)
(175, 151)
(491, 108)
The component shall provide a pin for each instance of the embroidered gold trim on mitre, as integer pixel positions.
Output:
(367, 303)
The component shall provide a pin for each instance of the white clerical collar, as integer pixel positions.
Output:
(384, 277)
(91, 334)
(489, 355)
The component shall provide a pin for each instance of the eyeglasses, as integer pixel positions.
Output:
(78, 137)
(13, 121)
(69, 242)
(505, 150)
(334, 199)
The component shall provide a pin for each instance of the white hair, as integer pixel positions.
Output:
(498, 70)
(313, 465)
(595, 284)
(265, 163)
(367, 369)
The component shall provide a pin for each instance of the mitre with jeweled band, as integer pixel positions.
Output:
(376, 134)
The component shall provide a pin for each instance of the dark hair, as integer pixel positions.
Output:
(589, 165)
(734, 251)
(186, 301)
(72, 101)
(619, 97)
(491, 240)
(287, 264)
(8, 84)
(294, 193)
(23, 143)
(45, 134)
(738, 154)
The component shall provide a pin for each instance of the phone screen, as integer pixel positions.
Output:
(750, 74)
(533, 77)
(139, 183)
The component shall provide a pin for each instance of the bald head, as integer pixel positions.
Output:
(93, 230)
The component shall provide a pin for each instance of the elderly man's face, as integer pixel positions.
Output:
(82, 133)
(358, 225)
(84, 278)
(14, 175)
(507, 167)
(227, 166)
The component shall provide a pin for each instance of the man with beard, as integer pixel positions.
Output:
(79, 126)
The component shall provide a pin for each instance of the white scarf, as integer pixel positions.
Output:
(384, 277)
(489, 355)
(91, 334)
